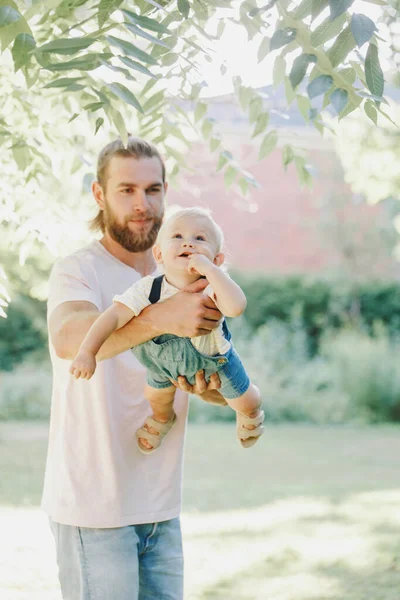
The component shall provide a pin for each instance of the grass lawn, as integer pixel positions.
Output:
(310, 513)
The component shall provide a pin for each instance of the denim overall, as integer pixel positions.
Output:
(167, 356)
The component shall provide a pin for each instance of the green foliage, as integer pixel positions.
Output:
(23, 332)
(25, 393)
(354, 377)
(321, 305)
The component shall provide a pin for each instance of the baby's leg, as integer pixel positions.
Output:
(248, 403)
(248, 408)
(162, 405)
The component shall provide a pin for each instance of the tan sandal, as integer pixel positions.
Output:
(248, 437)
(153, 438)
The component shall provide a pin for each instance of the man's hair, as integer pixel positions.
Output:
(136, 148)
(196, 212)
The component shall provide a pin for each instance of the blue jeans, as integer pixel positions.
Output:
(137, 562)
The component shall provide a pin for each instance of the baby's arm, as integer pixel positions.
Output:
(229, 297)
(109, 321)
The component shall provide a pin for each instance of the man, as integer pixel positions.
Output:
(114, 512)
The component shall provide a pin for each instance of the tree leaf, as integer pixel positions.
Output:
(147, 36)
(66, 45)
(230, 176)
(303, 10)
(255, 109)
(261, 124)
(343, 45)
(153, 101)
(8, 15)
(320, 85)
(304, 106)
(184, 8)
(87, 62)
(106, 8)
(23, 45)
(200, 111)
(74, 116)
(9, 32)
(132, 64)
(169, 59)
(99, 123)
(263, 49)
(348, 74)
(282, 37)
(224, 157)
(214, 143)
(371, 111)
(290, 94)
(21, 155)
(373, 72)
(62, 82)
(268, 144)
(317, 7)
(131, 50)
(126, 95)
(337, 7)
(299, 68)
(363, 28)
(145, 22)
(279, 70)
(339, 99)
(327, 30)
(207, 128)
(287, 156)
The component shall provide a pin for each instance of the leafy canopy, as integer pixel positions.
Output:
(71, 69)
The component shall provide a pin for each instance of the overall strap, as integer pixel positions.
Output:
(155, 291)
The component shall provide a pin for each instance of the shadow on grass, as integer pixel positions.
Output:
(298, 574)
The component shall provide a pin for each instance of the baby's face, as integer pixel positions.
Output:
(184, 237)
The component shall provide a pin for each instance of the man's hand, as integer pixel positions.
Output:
(188, 313)
(206, 391)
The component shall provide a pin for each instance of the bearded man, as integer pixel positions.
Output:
(115, 512)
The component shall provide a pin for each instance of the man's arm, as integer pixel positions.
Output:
(187, 314)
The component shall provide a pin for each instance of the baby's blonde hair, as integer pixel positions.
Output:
(175, 213)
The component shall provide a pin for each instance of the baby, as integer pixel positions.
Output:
(188, 247)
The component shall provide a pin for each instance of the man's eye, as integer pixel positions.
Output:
(153, 190)
(127, 190)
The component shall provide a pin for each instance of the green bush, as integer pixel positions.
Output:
(321, 305)
(25, 393)
(23, 332)
(355, 378)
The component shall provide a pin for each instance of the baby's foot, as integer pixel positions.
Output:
(155, 427)
(249, 423)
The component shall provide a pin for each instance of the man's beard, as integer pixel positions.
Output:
(132, 241)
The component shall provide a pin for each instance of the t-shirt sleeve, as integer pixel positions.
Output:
(137, 296)
(72, 280)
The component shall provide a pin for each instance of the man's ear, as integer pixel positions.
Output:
(157, 254)
(98, 194)
(165, 187)
(219, 259)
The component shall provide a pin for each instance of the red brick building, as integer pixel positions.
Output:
(283, 228)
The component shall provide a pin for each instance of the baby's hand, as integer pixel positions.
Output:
(83, 366)
(198, 263)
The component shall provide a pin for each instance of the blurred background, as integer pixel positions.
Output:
(313, 511)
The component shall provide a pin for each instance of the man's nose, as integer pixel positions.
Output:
(140, 201)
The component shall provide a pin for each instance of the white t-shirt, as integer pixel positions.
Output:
(95, 475)
(137, 298)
